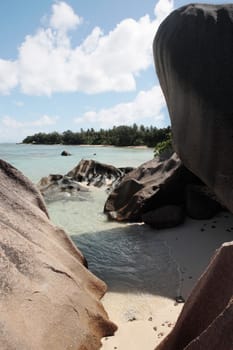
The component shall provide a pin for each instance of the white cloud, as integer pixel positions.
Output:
(47, 63)
(63, 17)
(13, 130)
(163, 8)
(45, 120)
(147, 105)
(8, 76)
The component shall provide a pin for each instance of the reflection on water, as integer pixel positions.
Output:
(130, 259)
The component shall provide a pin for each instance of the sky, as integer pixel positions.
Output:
(66, 65)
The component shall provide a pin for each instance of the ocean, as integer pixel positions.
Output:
(133, 259)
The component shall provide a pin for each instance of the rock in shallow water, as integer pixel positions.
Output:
(95, 173)
(74, 185)
(48, 299)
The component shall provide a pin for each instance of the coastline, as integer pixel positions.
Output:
(83, 145)
(191, 247)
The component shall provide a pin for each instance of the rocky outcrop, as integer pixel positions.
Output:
(95, 173)
(57, 187)
(193, 55)
(152, 185)
(206, 319)
(74, 185)
(48, 299)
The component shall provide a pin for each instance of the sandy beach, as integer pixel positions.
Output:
(191, 246)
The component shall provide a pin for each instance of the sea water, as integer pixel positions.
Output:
(132, 259)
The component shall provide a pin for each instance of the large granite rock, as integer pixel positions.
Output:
(193, 52)
(206, 320)
(152, 185)
(74, 185)
(95, 173)
(48, 299)
(201, 203)
(58, 187)
(164, 217)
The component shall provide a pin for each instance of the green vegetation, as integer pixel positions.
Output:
(117, 136)
(163, 146)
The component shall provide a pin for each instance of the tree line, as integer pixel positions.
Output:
(117, 136)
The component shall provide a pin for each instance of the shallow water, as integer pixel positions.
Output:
(132, 259)
(37, 161)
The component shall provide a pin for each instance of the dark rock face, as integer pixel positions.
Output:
(74, 185)
(193, 51)
(65, 153)
(48, 299)
(152, 185)
(200, 203)
(95, 173)
(206, 319)
(164, 217)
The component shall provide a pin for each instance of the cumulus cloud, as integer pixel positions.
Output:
(162, 9)
(12, 123)
(13, 130)
(47, 62)
(8, 76)
(146, 105)
(63, 17)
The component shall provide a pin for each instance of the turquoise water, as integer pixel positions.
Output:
(37, 161)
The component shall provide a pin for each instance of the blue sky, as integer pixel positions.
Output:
(78, 64)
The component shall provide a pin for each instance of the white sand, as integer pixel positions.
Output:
(191, 247)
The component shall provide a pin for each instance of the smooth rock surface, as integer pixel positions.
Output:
(48, 299)
(152, 185)
(193, 52)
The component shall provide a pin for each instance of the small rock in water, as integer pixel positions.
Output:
(65, 153)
